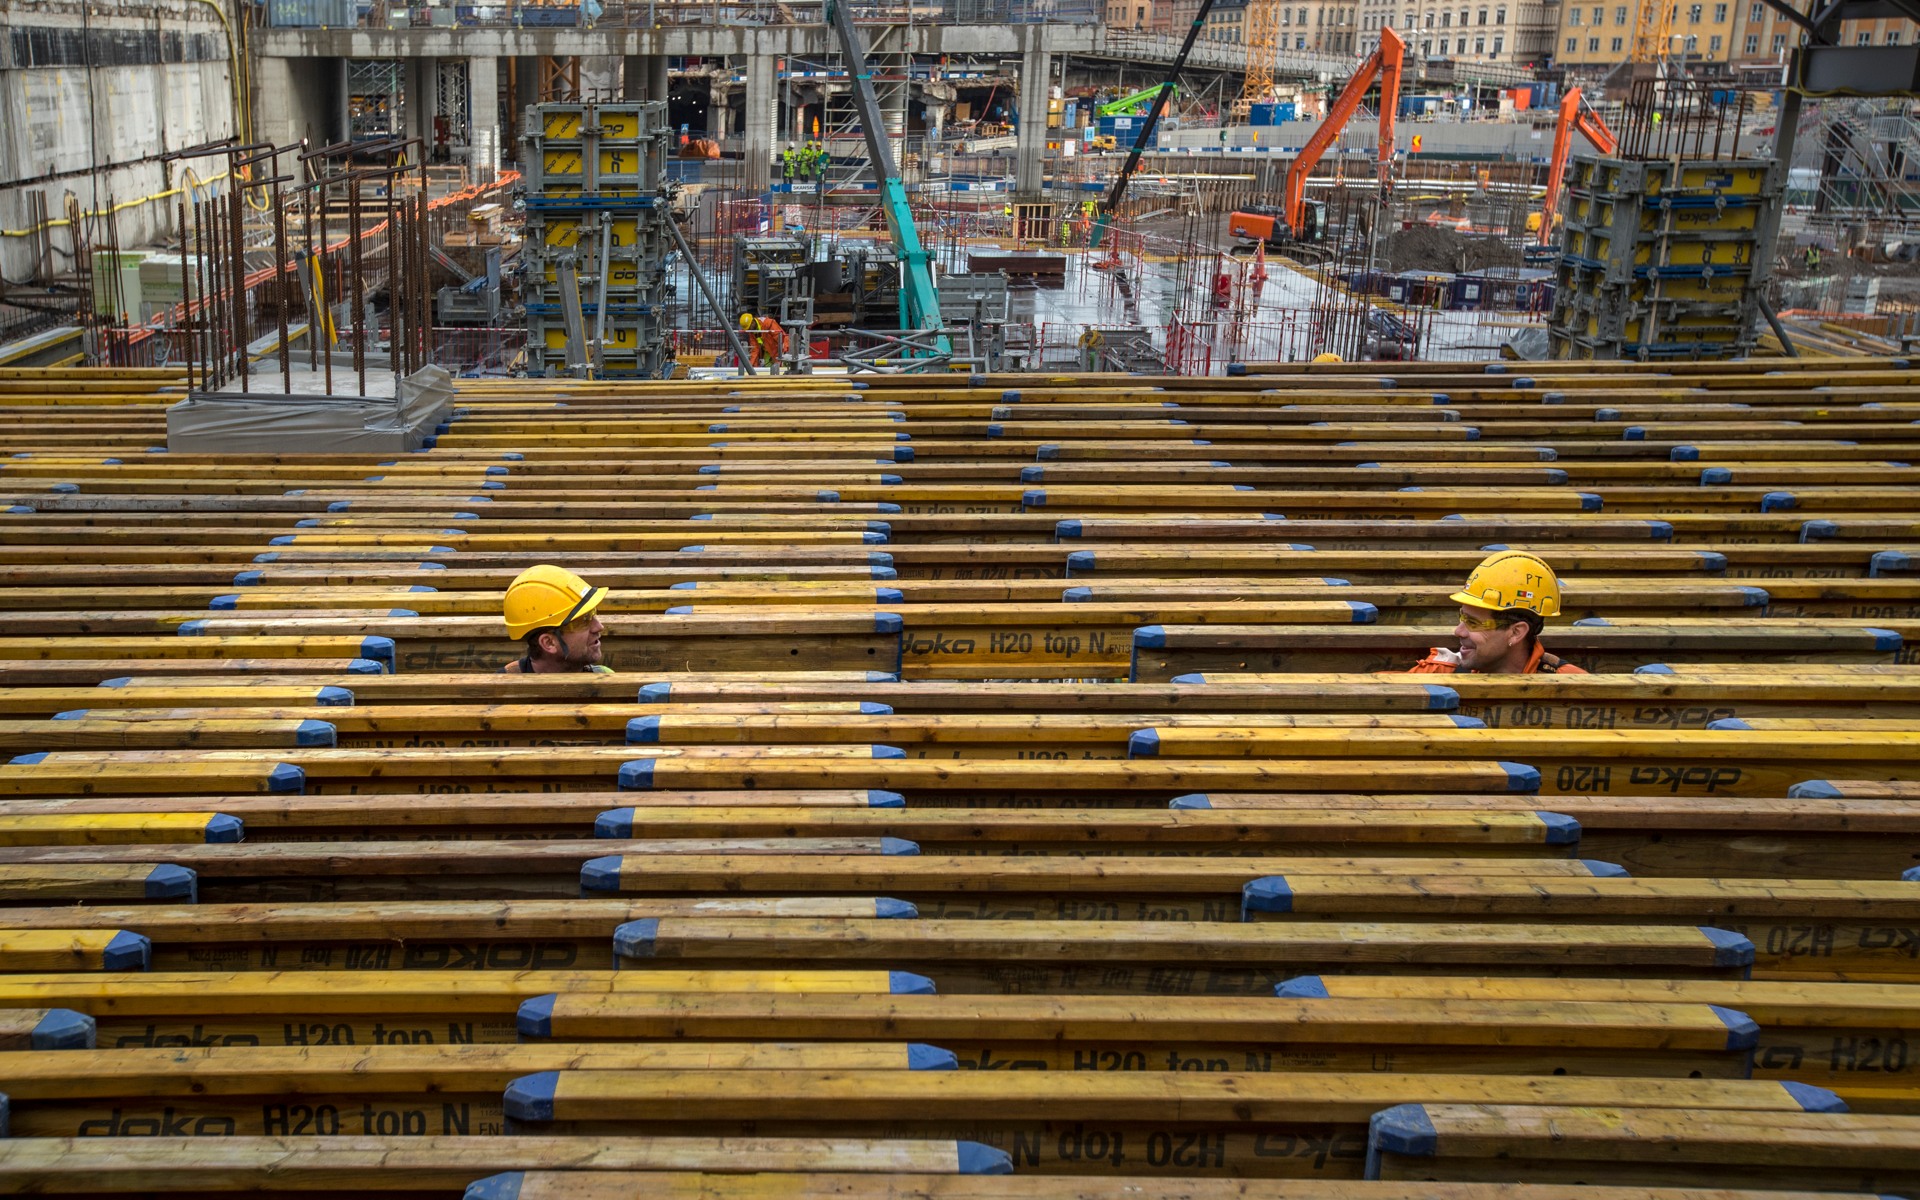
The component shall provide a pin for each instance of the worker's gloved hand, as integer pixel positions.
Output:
(1441, 654)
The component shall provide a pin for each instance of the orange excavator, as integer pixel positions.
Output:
(1574, 115)
(1301, 220)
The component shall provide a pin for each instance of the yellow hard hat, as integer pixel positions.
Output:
(746, 320)
(1325, 358)
(1512, 579)
(547, 597)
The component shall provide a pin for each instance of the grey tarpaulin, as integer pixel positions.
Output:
(233, 423)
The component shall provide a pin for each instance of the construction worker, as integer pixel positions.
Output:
(766, 341)
(821, 161)
(1504, 604)
(786, 164)
(551, 610)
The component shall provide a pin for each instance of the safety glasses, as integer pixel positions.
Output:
(1485, 624)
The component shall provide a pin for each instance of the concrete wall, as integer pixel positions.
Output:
(67, 126)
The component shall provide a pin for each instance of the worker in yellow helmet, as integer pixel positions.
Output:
(1503, 606)
(551, 610)
(1328, 357)
(766, 341)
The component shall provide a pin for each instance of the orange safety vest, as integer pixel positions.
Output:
(1541, 663)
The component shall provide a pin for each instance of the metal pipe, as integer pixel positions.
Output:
(727, 326)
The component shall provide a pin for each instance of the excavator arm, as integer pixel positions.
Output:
(1574, 115)
(1115, 107)
(1383, 64)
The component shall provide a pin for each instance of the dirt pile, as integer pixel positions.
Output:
(1427, 248)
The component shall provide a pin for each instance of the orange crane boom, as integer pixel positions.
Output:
(1384, 64)
(1574, 115)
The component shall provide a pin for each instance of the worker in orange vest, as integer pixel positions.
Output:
(766, 341)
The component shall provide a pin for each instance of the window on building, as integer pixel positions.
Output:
(1303, 16)
(1498, 40)
(1719, 14)
(1593, 45)
(1693, 13)
(1754, 13)
(1713, 44)
(1620, 15)
(1446, 22)
(1500, 15)
(1865, 39)
(1616, 45)
(1573, 18)
(1779, 42)
(1693, 44)
(1753, 43)
(1572, 45)
(1480, 47)
(1893, 37)
(1480, 18)
(1300, 42)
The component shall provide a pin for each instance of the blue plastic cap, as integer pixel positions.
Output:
(127, 951)
(1521, 777)
(1032, 474)
(1080, 560)
(285, 539)
(890, 479)
(1606, 414)
(1599, 868)
(1710, 476)
(887, 752)
(1743, 1032)
(711, 469)
(530, 1097)
(1910, 875)
(887, 506)
(1193, 678)
(716, 429)
(365, 666)
(1728, 723)
(873, 708)
(1034, 498)
(903, 454)
(1814, 1099)
(882, 573)
(308, 523)
(1441, 698)
(882, 677)
(28, 760)
(1404, 1129)
(245, 579)
(1151, 637)
(64, 488)
(534, 1017)
(1047, 453)
(880, 798)
(1684, 454)
(268, 557)
(1191, 802)
(1778, 502)
(222, 829)
(680, 610)
(64, 1029)
(1066, 529)
(20, 509)
(1467, 722)
(1074, 595)
(614, 823)
(1653, 669)
(655, 693)
(492, 485)
(906, 983)
(117, 681)
(643, 731)
(880, 527)
(169, 881)
(316, 733)
(1561, 829)
(600, 874)
(1143, 743)
(1814, 789)
(1660, 531)
(379, 649)
(1589, 501)
(887, 908)
(886, 622)
(1330, 581)
(1363, 612)
(977, 1158)
(1269, 893)
(1729, 948)
(636, 939)
(1556, 475)
(922, 1057)
(1236, 369)
(287, 778)
(1302, 987)
(880, 558)
(1888, 561)
(636, 775)
(1818, 531)
(871, 538)
(191, 628)
(1883, 639)
(72, 714)
(1634, 433)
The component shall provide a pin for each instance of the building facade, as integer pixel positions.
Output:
(1518, 32)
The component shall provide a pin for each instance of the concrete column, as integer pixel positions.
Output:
(1036, 73)
(757, 125)
(483, 115)
(422, 98)
(643, 77)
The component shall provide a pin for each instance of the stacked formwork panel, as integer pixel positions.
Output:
(595, 256)
(1661, 259)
